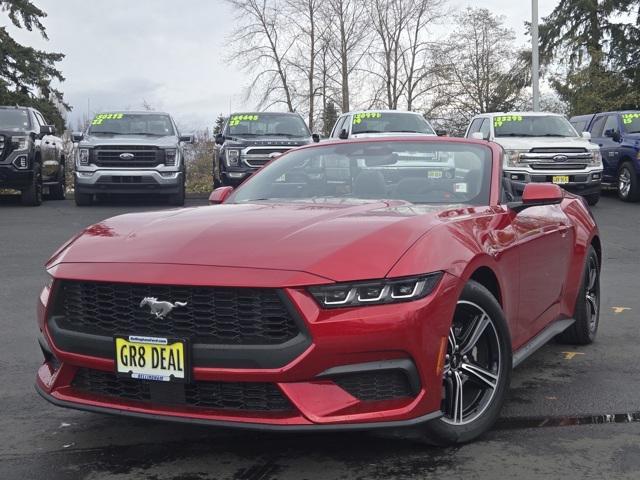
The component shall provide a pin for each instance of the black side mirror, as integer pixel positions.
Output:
(441, 133)
(186, 138)
(343, 134)
(77, 136)
(612, 134)
(219, 139)
(315, 137)
(47, 130)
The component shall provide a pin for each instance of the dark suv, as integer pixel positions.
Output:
(31, 156)
(618, 135)
(249, 140)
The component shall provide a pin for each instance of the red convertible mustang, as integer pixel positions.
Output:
(351, 285)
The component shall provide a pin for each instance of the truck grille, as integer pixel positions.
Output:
(224, 316)
(258, 157)
(143, 157)
(2, 146)
(243, 396)
(558, 166)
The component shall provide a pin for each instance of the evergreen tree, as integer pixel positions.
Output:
(26, 74)
(219, 125)
(329, 117)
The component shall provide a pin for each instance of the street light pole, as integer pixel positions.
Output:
(535, 61)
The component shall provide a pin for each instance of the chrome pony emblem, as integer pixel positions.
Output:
(127, 156)
(160, 309)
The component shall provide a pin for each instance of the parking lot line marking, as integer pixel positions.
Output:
(619, 310)
(570, 355)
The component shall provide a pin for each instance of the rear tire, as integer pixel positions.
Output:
(32, 195)
(59, 190)
(628, 188)
(477, 369)
(587, 311)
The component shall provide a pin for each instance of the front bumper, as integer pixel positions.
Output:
(12, 177)
(401, 337)
(128, 181)
(581, 182)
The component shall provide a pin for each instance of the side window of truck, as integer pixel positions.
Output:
(612, 124)
(338, 127)
(485, 129)
(475, 126)
(598, 127)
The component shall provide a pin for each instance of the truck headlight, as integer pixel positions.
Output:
(512, 157)
(375, 292)
(171, 156)
(83, 156)
(232, 158)
(596, 158)
(20, 142)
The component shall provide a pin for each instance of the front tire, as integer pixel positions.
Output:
(593, 199)
(628, 188)
(477, 369)
(177, 199)
(587, 310)
(59, 190)
(32, 195)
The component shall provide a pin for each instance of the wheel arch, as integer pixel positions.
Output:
(486, 277)
(597, 246)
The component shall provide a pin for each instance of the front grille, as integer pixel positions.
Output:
(243, 396)
(258, 157)
(2, 145)
(126, 180)
(265, 151)
(558, 150)
(375, 386)
(143, 157)
(227, 316)
(558, 166)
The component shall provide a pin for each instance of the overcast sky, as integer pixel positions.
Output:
(169, 53)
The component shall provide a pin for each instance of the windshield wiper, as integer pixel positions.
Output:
(553, 135)
(147, 133)
(367, 131)
(106, 133)
(404, 131)
(515, 135)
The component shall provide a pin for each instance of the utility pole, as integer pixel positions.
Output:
(535, 52)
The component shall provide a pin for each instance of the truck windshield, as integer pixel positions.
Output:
(132, 124)
(532, 126)
(14, 119)
(631, 122)
(270, 124)
(390, 122)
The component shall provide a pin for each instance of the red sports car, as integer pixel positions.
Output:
(352, 285)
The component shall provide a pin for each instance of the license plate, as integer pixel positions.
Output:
(152, 358)
(560, 179)
(435, 174)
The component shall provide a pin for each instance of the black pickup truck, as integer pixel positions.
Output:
(31, 155)
(249, 140)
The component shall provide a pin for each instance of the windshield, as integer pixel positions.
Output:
(389, 122)
(255, 124)
(132, 124)
(410, 171)
(533, 126)
(14, 119)
(631, 122)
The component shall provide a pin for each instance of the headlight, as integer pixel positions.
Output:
(19, 143)
(596, 157)
(232, 158)
(375, 292)
(512, 157)
(170, 160)
(83, 156)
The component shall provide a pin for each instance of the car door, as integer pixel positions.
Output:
(605, 128)
(545, 237)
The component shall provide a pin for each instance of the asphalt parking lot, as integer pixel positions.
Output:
(573, 412)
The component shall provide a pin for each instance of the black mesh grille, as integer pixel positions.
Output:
(228, 316)
(143, 156)
(375, 386)
(244, 396)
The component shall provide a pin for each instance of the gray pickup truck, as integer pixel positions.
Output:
(31, 156)
(130, 152)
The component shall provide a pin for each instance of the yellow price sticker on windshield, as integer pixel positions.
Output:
(358, 117)
(106, 116)
(628, 118)
(237, 119)
(499, 121)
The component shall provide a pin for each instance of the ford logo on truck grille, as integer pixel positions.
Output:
(126, 156)
(560, 158)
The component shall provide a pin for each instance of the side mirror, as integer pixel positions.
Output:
(538, 194)
(315, 137)
(219, 195)
(77, 136)
(441, 133)
(586, 135)
(219, 139)
(186, 138)
(47, 130)
(343, 134)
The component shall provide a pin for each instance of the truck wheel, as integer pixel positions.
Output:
(628, 188)
(592, 199)
(177, 199)
(32, 195)
(59, 190)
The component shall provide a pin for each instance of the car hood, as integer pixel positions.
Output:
(129, 140)
(526, 143)
(314, 238)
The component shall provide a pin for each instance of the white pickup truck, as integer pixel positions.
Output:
(543, 147)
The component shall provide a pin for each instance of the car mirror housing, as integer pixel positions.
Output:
(441, 133)
(219, 195)
(186, 138)
(343, 134)
(47, 130)
(538, 194)
(586, 135)
(77, 136)
(219, 139)
(315, 137)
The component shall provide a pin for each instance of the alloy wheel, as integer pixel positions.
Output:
(592, 293)
(472, 365)
(624, 182)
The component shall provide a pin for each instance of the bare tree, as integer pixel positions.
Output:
(262, 44)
